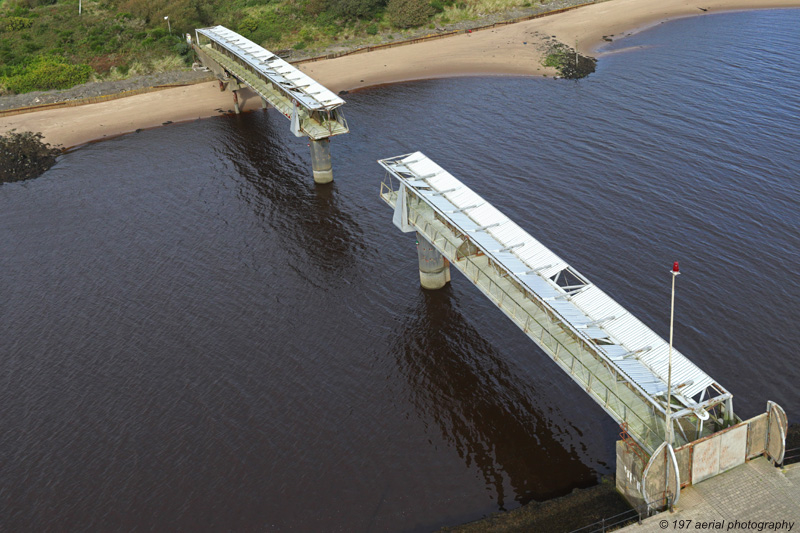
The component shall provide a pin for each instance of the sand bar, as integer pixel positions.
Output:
(499, 51)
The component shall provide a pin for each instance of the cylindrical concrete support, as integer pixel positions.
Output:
(434, 269)
(264, 104)
(321, 160)
(236, 102)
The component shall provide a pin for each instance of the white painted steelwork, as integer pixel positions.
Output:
(293, 82)
(620, 342)
(314, 110)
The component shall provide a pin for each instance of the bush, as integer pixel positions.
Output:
(372, 29)
(267, 28)
(439, 5)
(247, 25)
(182, 48)
(352, 9)
(409, 13)
(46, 73)
(24, 156)
(158, 33)
(15, 23)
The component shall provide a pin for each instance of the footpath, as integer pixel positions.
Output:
(755, 496)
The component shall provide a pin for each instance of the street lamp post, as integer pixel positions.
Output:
(168, 24)
(668, 433)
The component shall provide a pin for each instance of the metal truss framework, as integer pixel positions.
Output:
(314, 110)
(542, 295)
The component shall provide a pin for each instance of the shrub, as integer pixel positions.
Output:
(315, 7)
(15, 23)
(182, 48)
(372, 29)
(248, 25)
(352, 9)
(409, 13)
(269, 27)
(439, 5)
(299, 46)
(158, 33)
(24, 156)
(46, 73)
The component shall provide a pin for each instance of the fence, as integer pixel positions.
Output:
(625, 518)
(543, 327)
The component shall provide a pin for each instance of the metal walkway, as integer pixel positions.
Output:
(615, 358)
(313, 109)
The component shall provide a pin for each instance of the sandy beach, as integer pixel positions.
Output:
(515, 49)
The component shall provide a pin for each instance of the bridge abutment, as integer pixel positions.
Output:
(434, 269)
(321, 161)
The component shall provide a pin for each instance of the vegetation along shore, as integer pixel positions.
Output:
(525, 48)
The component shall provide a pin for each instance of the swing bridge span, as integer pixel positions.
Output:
(678, 424)
(621, 363)
(313, 110)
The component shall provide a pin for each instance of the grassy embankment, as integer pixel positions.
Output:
(45, 44)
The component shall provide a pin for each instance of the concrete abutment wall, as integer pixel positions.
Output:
(644, 484)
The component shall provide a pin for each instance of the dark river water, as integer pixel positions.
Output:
(196, 337)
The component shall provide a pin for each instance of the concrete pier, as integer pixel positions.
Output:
(321, 161)
(314, 111)
(236, 102)
(434, 269)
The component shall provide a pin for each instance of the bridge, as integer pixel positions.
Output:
(314, 111)
(618, 361)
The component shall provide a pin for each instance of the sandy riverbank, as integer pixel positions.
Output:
(500, 51)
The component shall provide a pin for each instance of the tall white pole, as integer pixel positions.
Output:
(668, 433)
(80, 6)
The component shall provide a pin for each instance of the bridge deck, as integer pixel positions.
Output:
(275, 80)
(615, 358)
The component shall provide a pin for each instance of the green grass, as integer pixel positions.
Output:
(101, 42)
(117, 38)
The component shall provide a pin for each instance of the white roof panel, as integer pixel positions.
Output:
(298, 85)
(590, 312)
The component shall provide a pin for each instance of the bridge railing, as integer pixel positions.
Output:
(542, 329)
(315, 123)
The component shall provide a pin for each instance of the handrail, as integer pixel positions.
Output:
(647, 440)
(790, 456)
(630, 516)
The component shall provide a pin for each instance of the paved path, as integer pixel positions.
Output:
(754, 492)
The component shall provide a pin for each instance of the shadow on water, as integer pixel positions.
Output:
(306, 217)
(481, 407)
